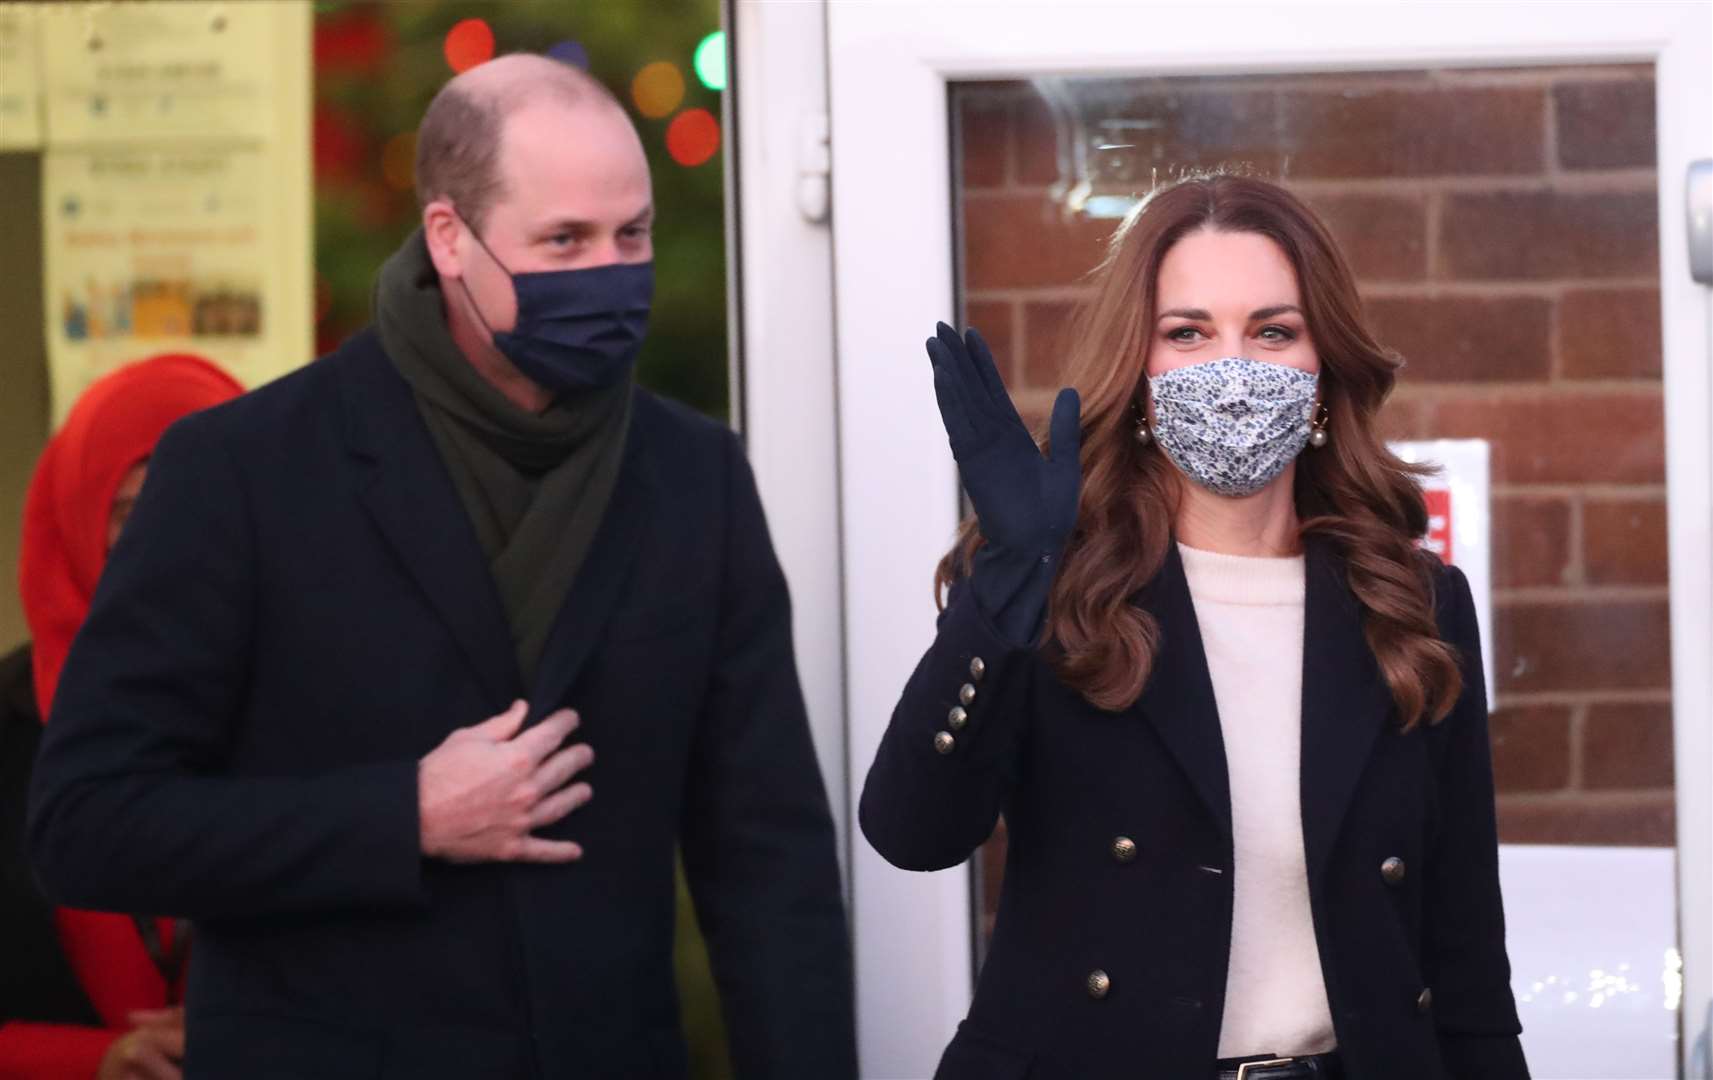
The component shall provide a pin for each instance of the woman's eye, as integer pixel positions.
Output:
(1183, 333)
(1277, 333)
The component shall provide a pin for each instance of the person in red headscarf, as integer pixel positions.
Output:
(84, 994)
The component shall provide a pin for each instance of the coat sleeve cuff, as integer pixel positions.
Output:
(964, 696)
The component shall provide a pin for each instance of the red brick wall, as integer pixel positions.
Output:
(1502, 225)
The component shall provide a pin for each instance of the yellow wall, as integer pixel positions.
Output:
(280, 30)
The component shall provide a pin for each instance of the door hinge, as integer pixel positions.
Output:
(814, 170)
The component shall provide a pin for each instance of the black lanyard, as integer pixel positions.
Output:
(169, 964)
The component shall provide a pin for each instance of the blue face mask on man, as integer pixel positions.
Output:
(576, 329)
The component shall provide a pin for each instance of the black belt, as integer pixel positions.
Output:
(1264, 1067)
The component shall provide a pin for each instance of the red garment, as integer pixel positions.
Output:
(113, 427)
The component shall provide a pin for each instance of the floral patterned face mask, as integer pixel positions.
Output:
(1233, 424)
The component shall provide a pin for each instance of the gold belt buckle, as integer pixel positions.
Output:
(1243, 1069)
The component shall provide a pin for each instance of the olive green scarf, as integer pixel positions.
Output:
(535, 486)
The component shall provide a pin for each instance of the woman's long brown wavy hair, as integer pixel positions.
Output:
(1362, 499)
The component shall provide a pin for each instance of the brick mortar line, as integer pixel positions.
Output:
(1578, 716)
(1433, 215)
(1427, 389)
(1549, 137)
(1410, 382)
(1573, 698)
(1440, 78)
(1619, 181)
(1397, 289)
(1591, 492)
(1505, 288)
(1019, 346)
(1567, 595)
(1025, 294)
(1577, 562)
(1605, 798)
(1555, 338)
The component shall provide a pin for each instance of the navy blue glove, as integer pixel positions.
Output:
(1026, 503)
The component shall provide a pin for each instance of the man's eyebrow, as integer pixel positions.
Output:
(1202, 315)
(572, 224)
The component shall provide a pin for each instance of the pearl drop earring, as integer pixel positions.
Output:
(1317, 436)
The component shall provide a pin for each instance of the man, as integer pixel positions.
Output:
(272, 722)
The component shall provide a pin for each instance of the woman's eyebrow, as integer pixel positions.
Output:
(1202, 315)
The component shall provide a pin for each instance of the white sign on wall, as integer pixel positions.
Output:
(1460, 521)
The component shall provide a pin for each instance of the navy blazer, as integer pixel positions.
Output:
(1414, 962)
(298, 611)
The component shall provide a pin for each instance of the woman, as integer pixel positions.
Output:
(84, 994)
(1232, 713)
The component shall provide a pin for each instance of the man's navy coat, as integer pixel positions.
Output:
(298, 611)
(1110, 952)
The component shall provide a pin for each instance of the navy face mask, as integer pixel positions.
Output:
(576, 329)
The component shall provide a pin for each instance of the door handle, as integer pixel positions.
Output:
(1698, 210)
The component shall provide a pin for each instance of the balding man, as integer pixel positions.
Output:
(415, 668)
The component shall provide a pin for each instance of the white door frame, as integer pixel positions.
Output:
(889, 63)
(779, 257)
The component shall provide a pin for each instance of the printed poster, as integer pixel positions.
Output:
(20, 78)
(176, 188)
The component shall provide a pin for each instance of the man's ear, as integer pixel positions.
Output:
(443, 230)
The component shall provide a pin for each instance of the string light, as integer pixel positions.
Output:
(710, 60)
(469, 43)
(693, 137)
(657, 89)
(570, 52)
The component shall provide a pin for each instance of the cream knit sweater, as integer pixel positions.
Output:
(1251, 616)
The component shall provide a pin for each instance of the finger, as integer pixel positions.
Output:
(978, 402)
(536, 850)
(506, 724)
(557, 770)
(560, 803)
(952, 412)
(1065, 429)
(171, 1042)
(149, 1061)
(546, 737)
(152, 1017)
(981, 358)
(950, 339)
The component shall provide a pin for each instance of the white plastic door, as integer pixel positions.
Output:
(891, 68)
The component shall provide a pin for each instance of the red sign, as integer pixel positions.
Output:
(1438, 539)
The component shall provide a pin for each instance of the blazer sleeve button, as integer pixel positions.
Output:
(966, 694)
(957, 718)
(944, 743)
(978, 668)
(1123, 849)
(1099, 984)
(1392, 870)
(1424, 1000)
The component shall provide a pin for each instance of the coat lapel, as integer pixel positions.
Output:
(410, 497)
(1346, 702)
(1178, 700)
(600, 581)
